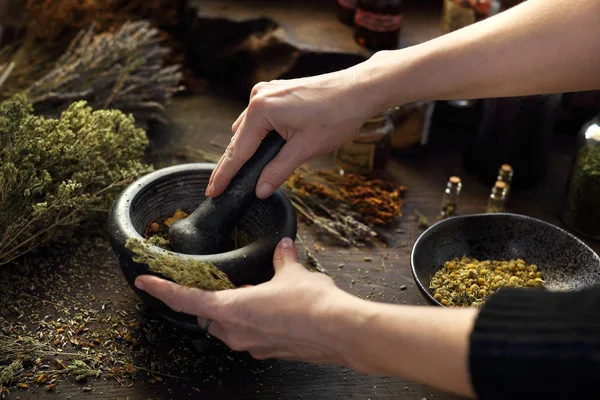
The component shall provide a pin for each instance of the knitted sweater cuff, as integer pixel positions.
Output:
(537, 344)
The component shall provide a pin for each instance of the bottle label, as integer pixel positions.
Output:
(356, 157)
(457, 15)
(378, 22)
(351, 4)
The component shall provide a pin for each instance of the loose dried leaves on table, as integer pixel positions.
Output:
(57, 173)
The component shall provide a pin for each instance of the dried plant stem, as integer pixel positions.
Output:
(310, 257)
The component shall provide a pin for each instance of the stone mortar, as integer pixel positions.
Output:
(160, 193)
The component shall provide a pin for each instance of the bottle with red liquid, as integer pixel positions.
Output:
(377, 23)
(346, 10)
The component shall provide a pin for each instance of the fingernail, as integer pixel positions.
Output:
(286, 244)
(139, 284)
(264, 190)
(209, 190)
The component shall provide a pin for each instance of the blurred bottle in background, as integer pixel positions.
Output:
(346, 10)
(378, 23)
(458, 14)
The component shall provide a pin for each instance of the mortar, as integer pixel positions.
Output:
(160, 193)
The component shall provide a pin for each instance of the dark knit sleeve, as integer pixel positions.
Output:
(534, 344)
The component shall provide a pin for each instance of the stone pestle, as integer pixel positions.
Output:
(208, 229)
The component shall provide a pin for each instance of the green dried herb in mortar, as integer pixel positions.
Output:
(189, 272)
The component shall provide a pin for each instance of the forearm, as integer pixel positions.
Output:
(537, 47)
(423, 344)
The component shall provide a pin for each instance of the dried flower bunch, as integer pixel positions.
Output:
(122, 70)
(55, 173)
(346, 207)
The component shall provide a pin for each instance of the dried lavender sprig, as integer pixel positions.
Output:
(122, 70)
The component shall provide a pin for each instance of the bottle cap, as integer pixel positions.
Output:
(506, 168)
(454, 180)
(500, 185)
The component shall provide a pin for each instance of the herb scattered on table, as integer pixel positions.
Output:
(422, 220)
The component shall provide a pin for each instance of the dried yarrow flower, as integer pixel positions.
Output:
(56, 173)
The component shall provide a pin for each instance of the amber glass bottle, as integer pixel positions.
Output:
(346, 10)
(377, 23)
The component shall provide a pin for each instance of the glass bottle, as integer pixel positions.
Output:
(497, 199)
(581, 211)
(377, 23)
(370, 150)
(451, 197)
(346, 10)
(505, 174)
(457, 14)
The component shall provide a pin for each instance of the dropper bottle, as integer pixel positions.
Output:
(451, 197)
(497, 200)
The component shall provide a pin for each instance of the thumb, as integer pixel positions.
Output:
(285, 254)
(279, 169)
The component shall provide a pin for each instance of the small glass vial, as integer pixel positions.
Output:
(457, 14)
(582, 200)
(370, 150)
(451, 197)
(497, 199)
(505, 174)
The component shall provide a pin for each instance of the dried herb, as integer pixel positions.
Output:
(7, 373)
(312, 261)
(82, 371)
(467, 282)
(422, 220)
(346, 207)
(122, 70)
(55, 174)
(157, 233)
(582, 203)
(188, 272)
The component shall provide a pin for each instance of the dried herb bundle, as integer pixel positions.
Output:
(191, 273)
(122, 70)
(346, 207)
(56, 173)
(52, 19)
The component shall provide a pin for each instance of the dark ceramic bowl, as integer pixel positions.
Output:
(565, 261)
(160, 193)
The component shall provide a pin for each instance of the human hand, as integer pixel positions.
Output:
(315, 115)
(298, 315)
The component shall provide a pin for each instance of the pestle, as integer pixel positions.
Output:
(209, 227)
